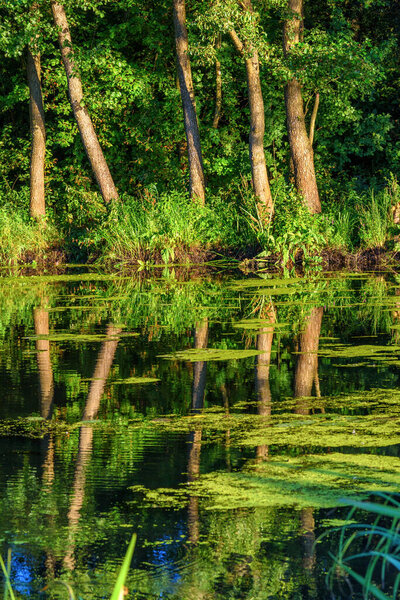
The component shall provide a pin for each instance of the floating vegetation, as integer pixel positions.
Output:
(318, 481)
(134, 380)
(80, 337)
(254, 324)
(310, 481)
(209, 354)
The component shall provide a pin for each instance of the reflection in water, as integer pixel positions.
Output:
(247, 552)
(263, 361)
(305, 376)
(307, 362)
(198, 390)
(46, 387)
(100, 376)
(46, 382)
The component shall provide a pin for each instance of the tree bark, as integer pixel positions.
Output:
(218, 89)
(257, 126)
(81, 114)
(196, 171)
(38, 136)
(300, 146)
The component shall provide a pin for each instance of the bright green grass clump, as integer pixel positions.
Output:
(19, 236)
(164, 227)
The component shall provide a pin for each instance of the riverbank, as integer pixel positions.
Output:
(359, 233)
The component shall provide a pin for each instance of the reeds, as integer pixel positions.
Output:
(368, 555)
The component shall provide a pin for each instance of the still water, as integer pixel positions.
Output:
(222, 418)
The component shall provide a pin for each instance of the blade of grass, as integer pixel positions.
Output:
(7, 578)
(119, 584)
(371, 589)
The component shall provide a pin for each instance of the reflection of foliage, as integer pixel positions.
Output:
(140, 439)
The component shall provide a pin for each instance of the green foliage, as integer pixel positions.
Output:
(293, 229)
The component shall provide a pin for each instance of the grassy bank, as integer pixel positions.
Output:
(172, 229)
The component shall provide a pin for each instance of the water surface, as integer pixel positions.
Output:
(222, 418)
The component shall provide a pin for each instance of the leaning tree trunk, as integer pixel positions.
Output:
(257, 125)
(218, 88)
(196, 172)
(38, 136)
(300, 146)
(82, 117)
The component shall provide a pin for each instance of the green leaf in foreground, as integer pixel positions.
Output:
(119, 584)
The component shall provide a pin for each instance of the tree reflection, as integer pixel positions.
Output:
(100, 376)
(263, 362)
(46, 380)
(306, 376)
(198, 391)
(307, 362)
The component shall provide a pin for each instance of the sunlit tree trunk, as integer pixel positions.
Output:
(300, 146)
(196, 171)
(218, 88)
(38, 135)
(263, 362)
(307, 362)
(257, 125)
(82, 117)
(313, 119)
(92, 406)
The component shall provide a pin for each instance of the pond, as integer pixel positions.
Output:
(226, 419)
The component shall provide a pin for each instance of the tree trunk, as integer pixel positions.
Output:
(196, 172)
(82, 117)
(218, 89)
(313, 119)
(257, 126)
(38, 135)
(300, 147)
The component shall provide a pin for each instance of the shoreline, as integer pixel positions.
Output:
(57, 259)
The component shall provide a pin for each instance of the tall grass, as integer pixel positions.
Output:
(19, 235)
(368, 556)
(166, 226)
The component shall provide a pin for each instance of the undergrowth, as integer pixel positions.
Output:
(167, 228)
(19, 235)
